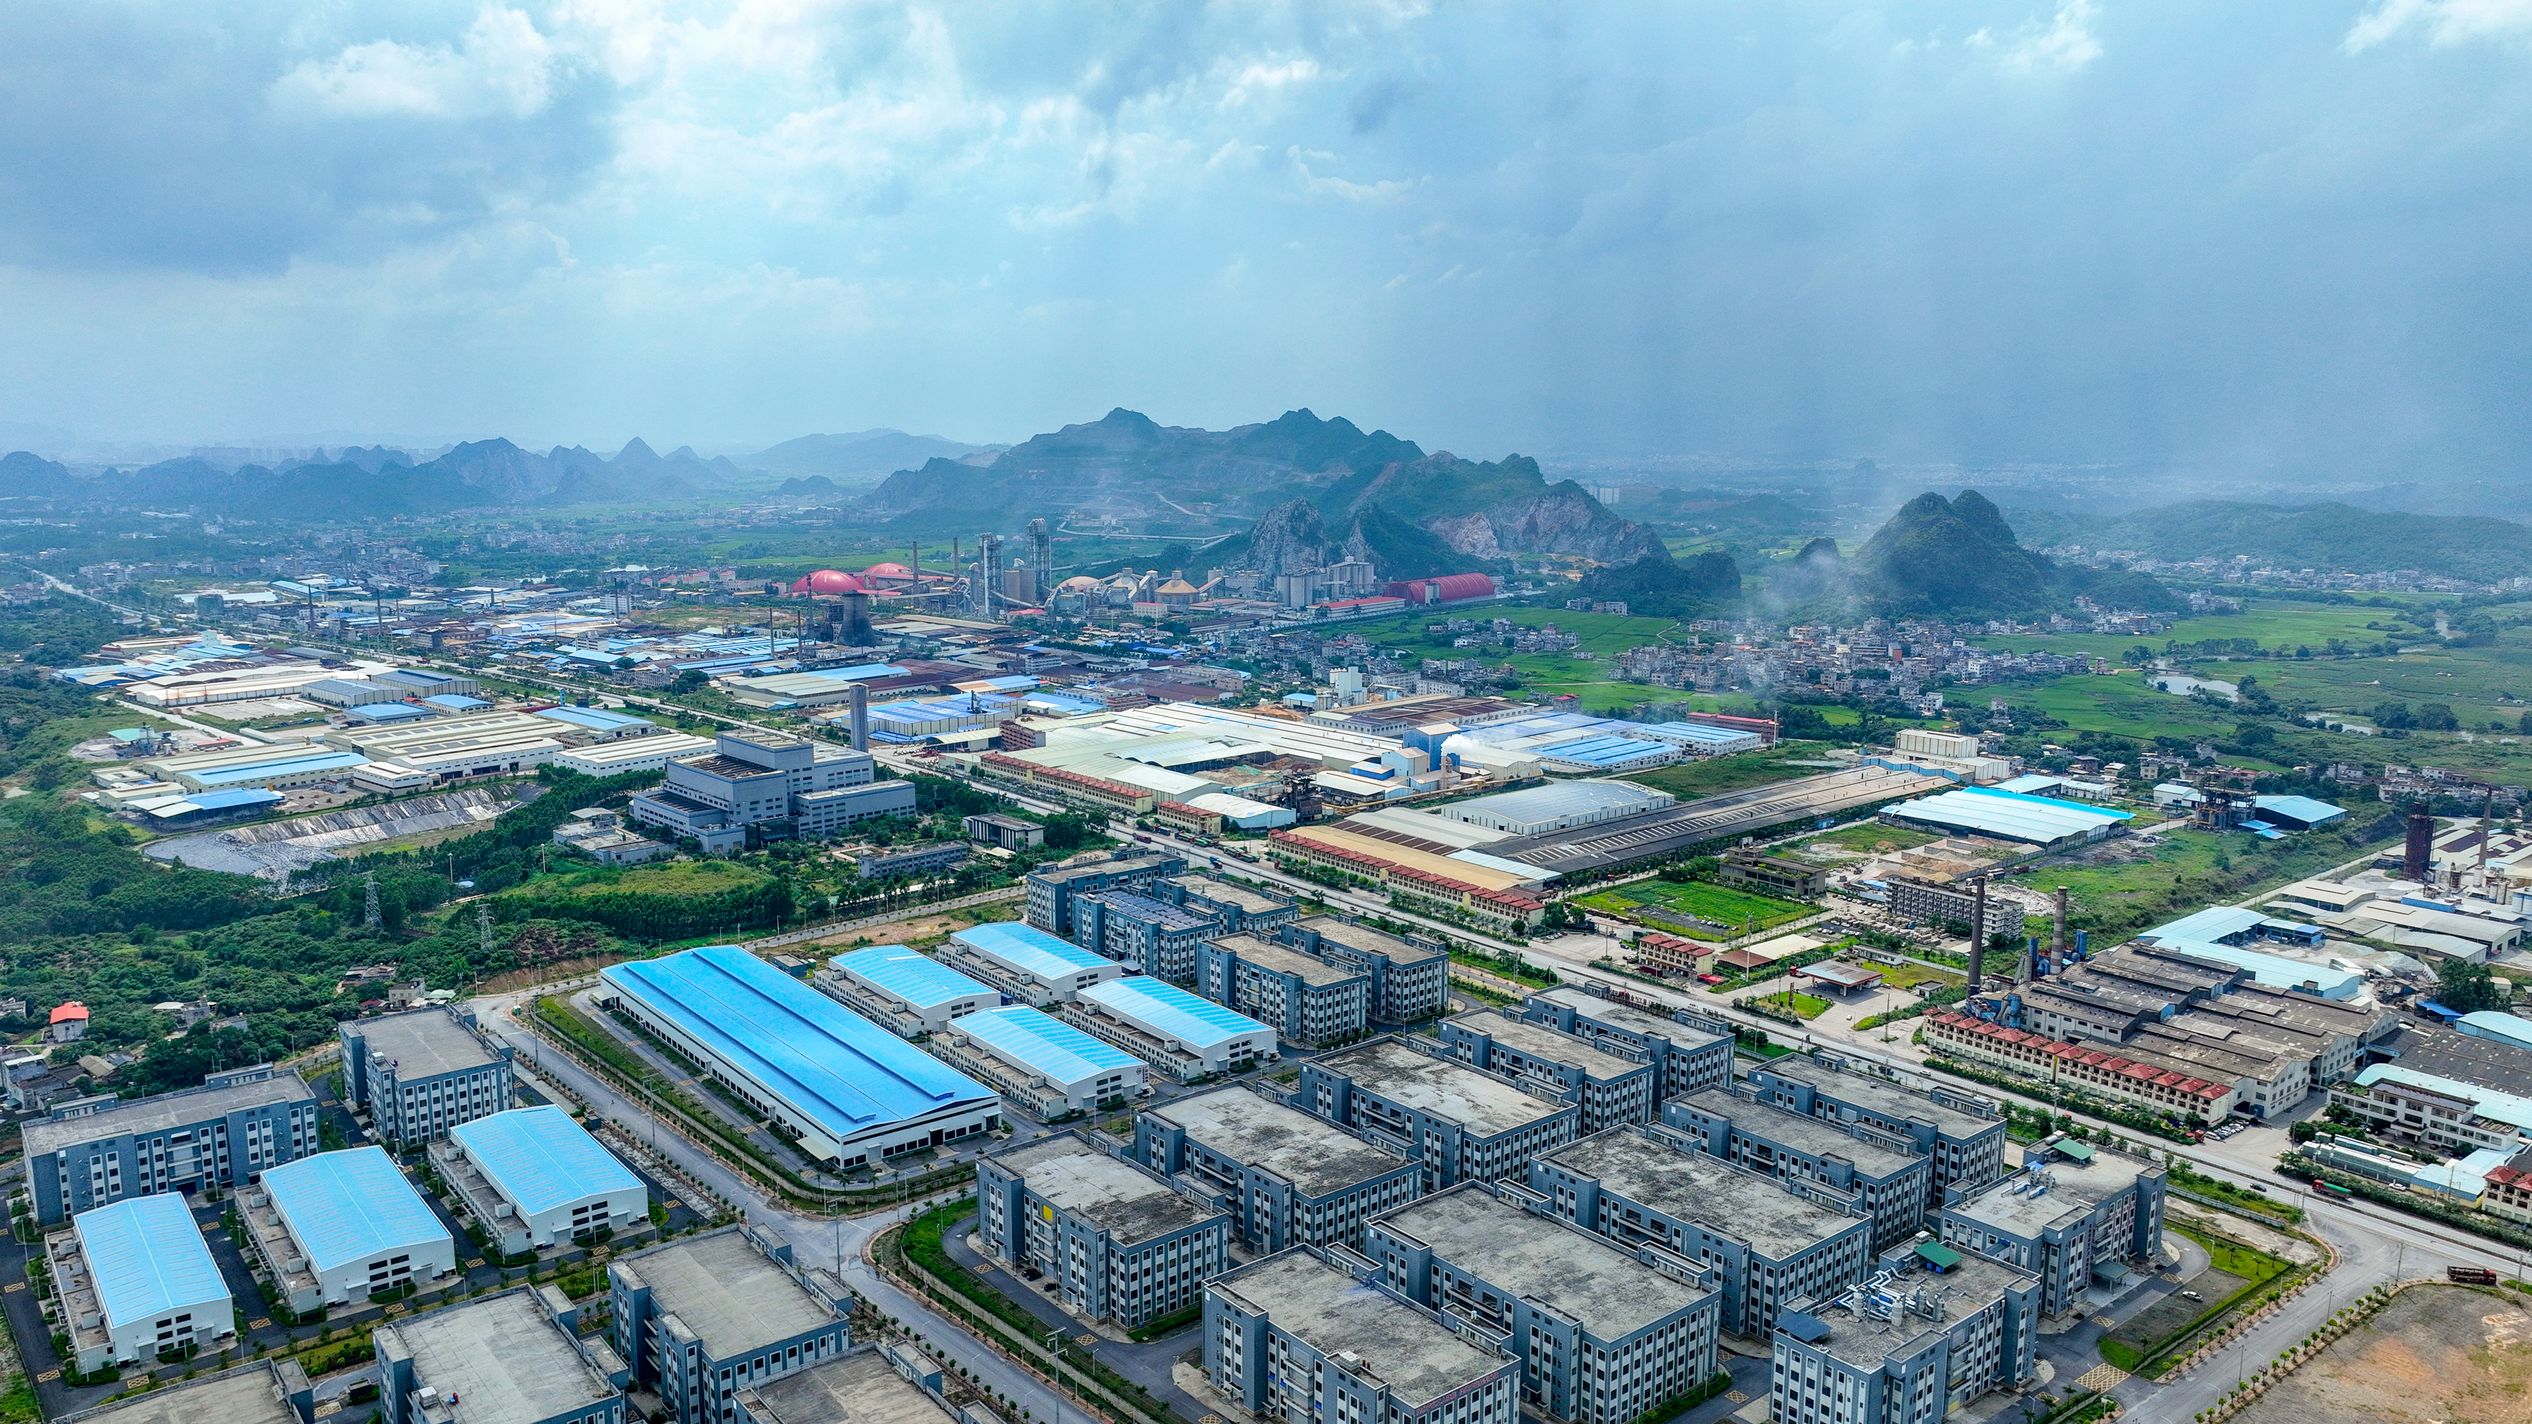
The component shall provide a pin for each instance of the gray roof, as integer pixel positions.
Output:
(167, 1110)
(2075, 1189)
(1398, 1344)
(1128, 1201)
(1557, 800)
(1540, 1041)
(1865, 1343)
(1283, 959)
(731, 1295)
(1691, 1186)
(1439, 1086)
(251, 1395)
(861, 1388)
(2423, 1048)
(1886, 1100)
(1800, 1132)
(503, 1356)
(1248, 901)
(1640, 1022)
(1315, 1155)
(1544, 1260)
(424, 1043)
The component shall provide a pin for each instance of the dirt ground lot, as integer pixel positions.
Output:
(2436, 1355)
(920, 929)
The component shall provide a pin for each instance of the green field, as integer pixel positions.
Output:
(2279, 625)
(1804, 1006)
(1717, 905)
(2481, 684)
(2127, 885)
(1868, 837)
(1715, 775)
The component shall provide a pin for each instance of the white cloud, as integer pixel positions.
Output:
(502, 67)
(2446, 22)
(2066, 43)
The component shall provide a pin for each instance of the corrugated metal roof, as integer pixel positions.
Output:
(1983, 809)
(1172, 1012)
(596, 719)
(1029, 950)
(148, 1257)
(541, 1159)
(278, 766)
(349, 1206)
(917, 979)
(830, 1064)
(1045, 1044)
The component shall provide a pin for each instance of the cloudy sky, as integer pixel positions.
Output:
(2257, 231)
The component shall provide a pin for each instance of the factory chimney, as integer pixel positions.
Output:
(861, 717)
(2487, 833)
(1977, 932)
(2416, 857)
(2057, 932)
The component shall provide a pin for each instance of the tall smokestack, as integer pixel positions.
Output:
(2057, 932)
(2417, 855)
(861, 717)
(1977, 932)
(2487, 833)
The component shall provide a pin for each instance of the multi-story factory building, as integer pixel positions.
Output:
(1929, 1333)
(100, 1150)
(513, 1358)
(1462, 1124)
(1147, 935)
(1239, 909)
(1609, 1088)
(2073, 1214)
(1290, 1179)
(1051, 889)
(1293, 1337)
(1119, 1242)
(1410, 982)
(1887, 1184)
(1306, 1000)
(1602, 1336)
(423, 1072)
(761, 786)
(697, 1321)
(1685, 1058)
(1966, 1147)
(1769, 1246)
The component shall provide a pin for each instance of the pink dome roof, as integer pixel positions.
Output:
(888, 571)
(825, 582)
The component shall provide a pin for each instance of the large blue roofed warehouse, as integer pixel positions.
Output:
(850, 1092)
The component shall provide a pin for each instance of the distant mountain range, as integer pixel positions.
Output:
(815, 464)
(376, 483)
(1314, 488)
(2338, 538)
(1950, 558)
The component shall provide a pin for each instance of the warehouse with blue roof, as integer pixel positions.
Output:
(342, 1226)
(2042, 821)
(1046, 1064)
(534, 1178)
(2224, 934)
(848, 1092)
(1164, 1025)
(1027, 963)
(902, 991)
(136, 1281)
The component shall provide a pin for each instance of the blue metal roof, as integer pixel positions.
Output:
(1605, 751)
(148, 1256)
(388, 712)
(541, 1159)
(1046, 1044)
(920, 981)
(2299, 808)
(279, 766)
(828, 1063)
(596, 719)
(350, 1205)
(456, 702)
(1700, 732)
(1030, 950)
(1172, 1011)
(234, 798)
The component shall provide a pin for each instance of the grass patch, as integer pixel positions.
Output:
(2240, 1275)
(1868, 838)
(2117, 890)
(1802, 1006)
(1725, 908)
(1904, 975)
(1716, 775)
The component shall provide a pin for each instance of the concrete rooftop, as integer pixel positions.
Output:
(1865, 1343)
(861, 1388)
(1540, 1041)
(1692, 1186)
(504, 1359)
(424, 1043)
(729, 1294)
(1541, 1259)
(248, 1396)
(1400, 1345)
(1127, 1201)
(2075, 1188)
(1391, 1069)
(1800, 1131)
(1315, 1155)
(1282, 959)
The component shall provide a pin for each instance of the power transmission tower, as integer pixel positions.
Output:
(483, 928)
(372, 918)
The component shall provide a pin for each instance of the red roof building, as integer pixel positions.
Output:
(826, 583)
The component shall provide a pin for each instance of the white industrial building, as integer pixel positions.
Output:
(1557, 806)
(136, 1281)
(631, 754)
(534, 1177)
(902, 990)
(342, 1226)
(1164, 1024)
